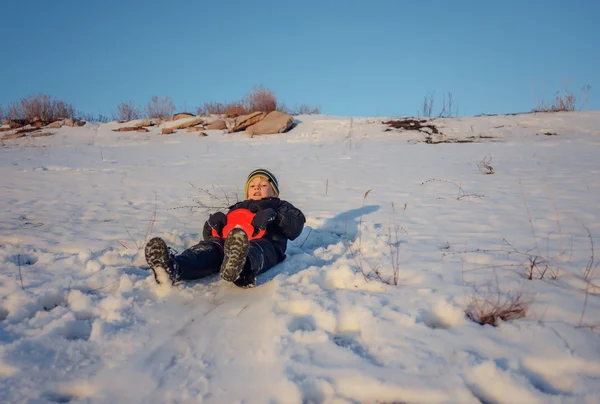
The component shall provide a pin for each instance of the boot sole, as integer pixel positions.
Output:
(157, 256)
(236, 251)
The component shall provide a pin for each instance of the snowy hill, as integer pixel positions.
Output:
(83, 321)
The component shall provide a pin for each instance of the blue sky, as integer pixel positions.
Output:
(360, 58)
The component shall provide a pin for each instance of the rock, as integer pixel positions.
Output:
(202, 134)
(182, 115)
(219, 124)
(80, 123)
(274, 122)
(142, 130)
(166, 131)
(55, 125)
(69, 122)
(194, 129)
(243, 121)
(183, 123)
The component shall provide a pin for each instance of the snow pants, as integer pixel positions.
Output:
(206, 257)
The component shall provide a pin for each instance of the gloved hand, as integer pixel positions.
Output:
(217, 221)
(262, 219)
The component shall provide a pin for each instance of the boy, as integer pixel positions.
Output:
(238, 259)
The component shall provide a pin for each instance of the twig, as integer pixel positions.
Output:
(104, 287)
(309, 231)
(131, 237)
(461, 194)
(529, 216)
(587, 275)
(20, 274)
(394, 246)
(361, 217)
(68, 292)
(484, 165)
(152, 219)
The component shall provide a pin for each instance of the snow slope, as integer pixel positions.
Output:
(83, 321)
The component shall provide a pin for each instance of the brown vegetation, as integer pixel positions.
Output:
(42, 107)
(160, 108)
(128, 111)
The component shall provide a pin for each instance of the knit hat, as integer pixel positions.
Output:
(261, 172)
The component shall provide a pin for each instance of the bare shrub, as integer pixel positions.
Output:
(13, 112)
(303, 109)
(234, 109)
(160, 108)
(62, 110)
(127, 111)
(40, 106)
(261, 99)
(493, 305)
(210, 108)
(90, 117)
(1, 113)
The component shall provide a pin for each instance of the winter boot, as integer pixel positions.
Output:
(246, 280)
(236, 250)
(161, 260)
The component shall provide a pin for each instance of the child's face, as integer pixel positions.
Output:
(259, 188)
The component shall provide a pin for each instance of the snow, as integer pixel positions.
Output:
(82, 320)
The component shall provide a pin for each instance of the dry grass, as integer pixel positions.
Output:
(535, 264)
(586, 94)
(40, 106)
(564, 101)
(260, 99)
(448, 108)
(485, 165)
(128, 111)
(374, 271)
(492, 305)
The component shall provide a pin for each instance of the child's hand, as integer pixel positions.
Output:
(262, 219)
(217, 221)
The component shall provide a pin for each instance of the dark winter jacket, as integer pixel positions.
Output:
(288, 225)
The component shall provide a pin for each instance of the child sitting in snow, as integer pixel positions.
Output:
(238, 259)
